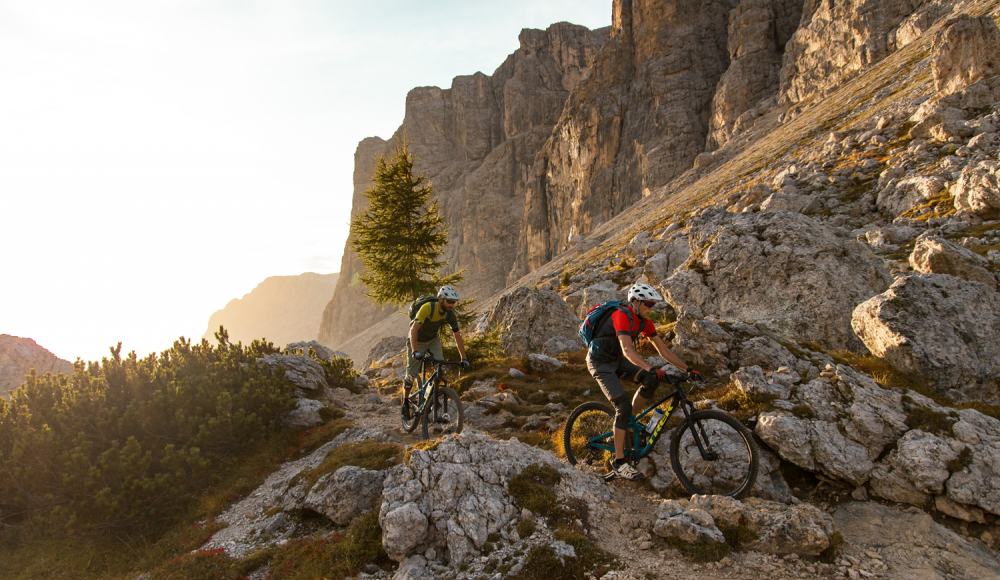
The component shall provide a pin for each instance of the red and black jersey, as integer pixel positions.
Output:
(611, 327)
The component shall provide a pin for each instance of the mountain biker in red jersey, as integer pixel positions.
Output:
(616, 357)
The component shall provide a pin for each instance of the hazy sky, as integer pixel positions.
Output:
(160, 158)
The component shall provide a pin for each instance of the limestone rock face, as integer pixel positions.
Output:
(20, 355)
(890, 531)
(782, 269)
(304, 415)
(385, 349)
(530, 319)
(454, 495)
(839, 38)
(281, 309)
(935, 255)
(839, 429)
(476, 142)
(346, 493)
(755, 30)
(635, 122)
(938, 329)
(781, 529)
(902, 445)
(964, 52)
(978, 189)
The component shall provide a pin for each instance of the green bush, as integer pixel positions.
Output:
(128, 443)
(339, 371)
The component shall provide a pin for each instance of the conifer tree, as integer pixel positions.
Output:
(401, 236)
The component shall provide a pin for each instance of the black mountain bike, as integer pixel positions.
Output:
(438, 406)
(711, 452)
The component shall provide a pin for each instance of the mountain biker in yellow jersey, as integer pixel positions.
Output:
(616, 357)
(429, 319)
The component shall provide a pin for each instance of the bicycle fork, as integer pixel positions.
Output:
(698, 433)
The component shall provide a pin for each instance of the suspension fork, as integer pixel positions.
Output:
(698, 432)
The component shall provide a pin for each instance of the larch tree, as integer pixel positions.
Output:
(401, 236)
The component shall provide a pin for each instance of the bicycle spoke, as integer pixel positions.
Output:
(728, 465)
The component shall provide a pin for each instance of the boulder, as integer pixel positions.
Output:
(453, 495)
(531, 318)
(766, 353)
(780, 529)
(304, 415)
(303, 371)
(938, 329)
(930, 115)
(900, 196)
(543, 364)
(837, 428)
(662, 265)
(687, 524)
(893, 534)
(560, 344)
(386, 348)
(964, 51)
(303, 348)
(978, 189)
(935, 255)
(751, 380)
(782, 201)
(915, 470)
(702, 343)
(346, 493)
(782, 270)
(596, 294)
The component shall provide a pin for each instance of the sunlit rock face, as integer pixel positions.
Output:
(281, 309)
(637, 121)
(19, 355)
(476, 143)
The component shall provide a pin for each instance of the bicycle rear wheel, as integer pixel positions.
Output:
(731, 466)
(588, 436)
(444, 414)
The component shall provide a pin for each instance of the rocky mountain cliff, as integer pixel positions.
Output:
(282, 309)
(476, 142)
(20, 355)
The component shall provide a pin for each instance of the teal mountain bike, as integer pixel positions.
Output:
(711, 452)
(433, 403)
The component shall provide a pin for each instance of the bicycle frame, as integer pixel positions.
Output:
(638, 451)
(429, 385)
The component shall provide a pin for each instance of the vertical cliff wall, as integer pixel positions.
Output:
(476, 142)
(637, 121)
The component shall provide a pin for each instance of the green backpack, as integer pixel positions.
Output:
(419, 302)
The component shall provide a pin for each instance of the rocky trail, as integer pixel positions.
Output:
(830, 261)
(450, 513)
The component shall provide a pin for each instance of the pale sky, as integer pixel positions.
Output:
(160, 158)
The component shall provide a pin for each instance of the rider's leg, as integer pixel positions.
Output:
(623, 413)
(642, 395)
(606, 375)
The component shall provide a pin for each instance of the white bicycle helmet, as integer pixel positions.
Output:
(448, 293)
(643, 292)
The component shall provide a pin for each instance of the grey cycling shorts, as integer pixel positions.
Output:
(608, 374)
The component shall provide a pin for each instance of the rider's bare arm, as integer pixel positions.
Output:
(629, 351)
(661, 347)
(413, 335)
(460, 344)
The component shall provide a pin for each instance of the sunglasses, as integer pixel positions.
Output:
(649, 304)
(450, 302)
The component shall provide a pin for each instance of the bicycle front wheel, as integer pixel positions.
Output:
(729, 463)
(414, 400)
(443, 414)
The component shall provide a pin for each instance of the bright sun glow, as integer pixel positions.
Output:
(159, 158)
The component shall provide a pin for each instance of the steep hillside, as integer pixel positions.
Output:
(282, 309)
(20, 355)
